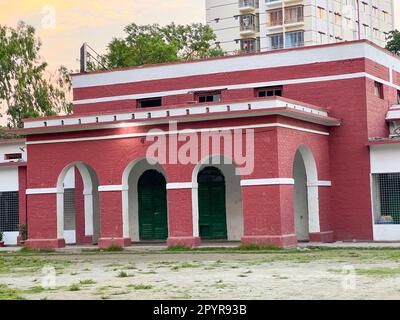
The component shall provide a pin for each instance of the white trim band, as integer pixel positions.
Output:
(174, 132)
(320, 184)
(179, 185)
(110, 188)
(267, 182)
(41, 191)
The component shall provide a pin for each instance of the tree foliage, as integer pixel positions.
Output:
(27, 89)
(149, 44)
(393, 43)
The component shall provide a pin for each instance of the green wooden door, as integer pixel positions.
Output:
(153, 220)
(212, 208)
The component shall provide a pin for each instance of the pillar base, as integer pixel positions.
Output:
(45, 243)
(284, 241)
(324, 237)
(105, 243)
(189, 242)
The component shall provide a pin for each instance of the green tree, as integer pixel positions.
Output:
(27, 89)
(149, 44)
(393, 43)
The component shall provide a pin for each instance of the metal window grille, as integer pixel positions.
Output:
(9, 211)
(69, 209)
(386, 189)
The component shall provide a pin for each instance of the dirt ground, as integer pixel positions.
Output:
(317, 273)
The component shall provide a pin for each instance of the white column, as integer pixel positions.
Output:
(88, 204)
(195, 210)
(125, 212)
(313, 207)
(60, 214)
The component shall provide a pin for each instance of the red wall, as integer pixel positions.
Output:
(342, 157)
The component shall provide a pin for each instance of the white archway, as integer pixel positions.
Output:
(130, 208)
(306, 200)
(234, 208)
(91, 200)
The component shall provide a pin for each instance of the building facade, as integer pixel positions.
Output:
(262, 25)
(270, 148)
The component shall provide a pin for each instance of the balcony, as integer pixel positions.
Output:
(248, 25)
(248, 5)
(249, 45)
(293, 16)
(292, 39)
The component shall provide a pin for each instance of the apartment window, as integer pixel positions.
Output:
(375, 11)
(150, 103)
(248, 22)
(248, 3)
(248, 45)
(321, 13)
(275, 17)
(384, 15)
(376, 33)
(13, 156)
(347, 21)
(294, 39)
(208, 97)
(398, 96)
(378, 89)
(364, 6)
(294, 14)
(338, 18)
(276, 41)
(269, 91)
(9, 211)
(365, 29)
(321, 37)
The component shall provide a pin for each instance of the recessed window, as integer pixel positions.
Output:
(398, 96)
(208, 97)
(321, 13)
(150, 103)
(269, 92)
(378, 89)
(13, 156)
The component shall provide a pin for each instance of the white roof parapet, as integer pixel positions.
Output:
(148, 114)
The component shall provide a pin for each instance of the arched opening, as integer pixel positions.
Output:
(137, 181)
(306, 207)
(217, 200)
(212, 204)
(78, 214)
(152, 202)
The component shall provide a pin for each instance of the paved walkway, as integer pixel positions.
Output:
(146, 247)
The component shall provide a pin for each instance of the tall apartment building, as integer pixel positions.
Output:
(262, 25)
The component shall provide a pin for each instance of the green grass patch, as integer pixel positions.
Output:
(29, 264)
(123, 274)
(87, 282)
(140, 286)
(74, 287)
(7, 293)
(379, 272)
(26, 250)
(186, 265)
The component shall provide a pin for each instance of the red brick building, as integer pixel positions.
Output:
(310, 112)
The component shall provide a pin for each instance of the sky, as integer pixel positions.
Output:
(63, 25)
